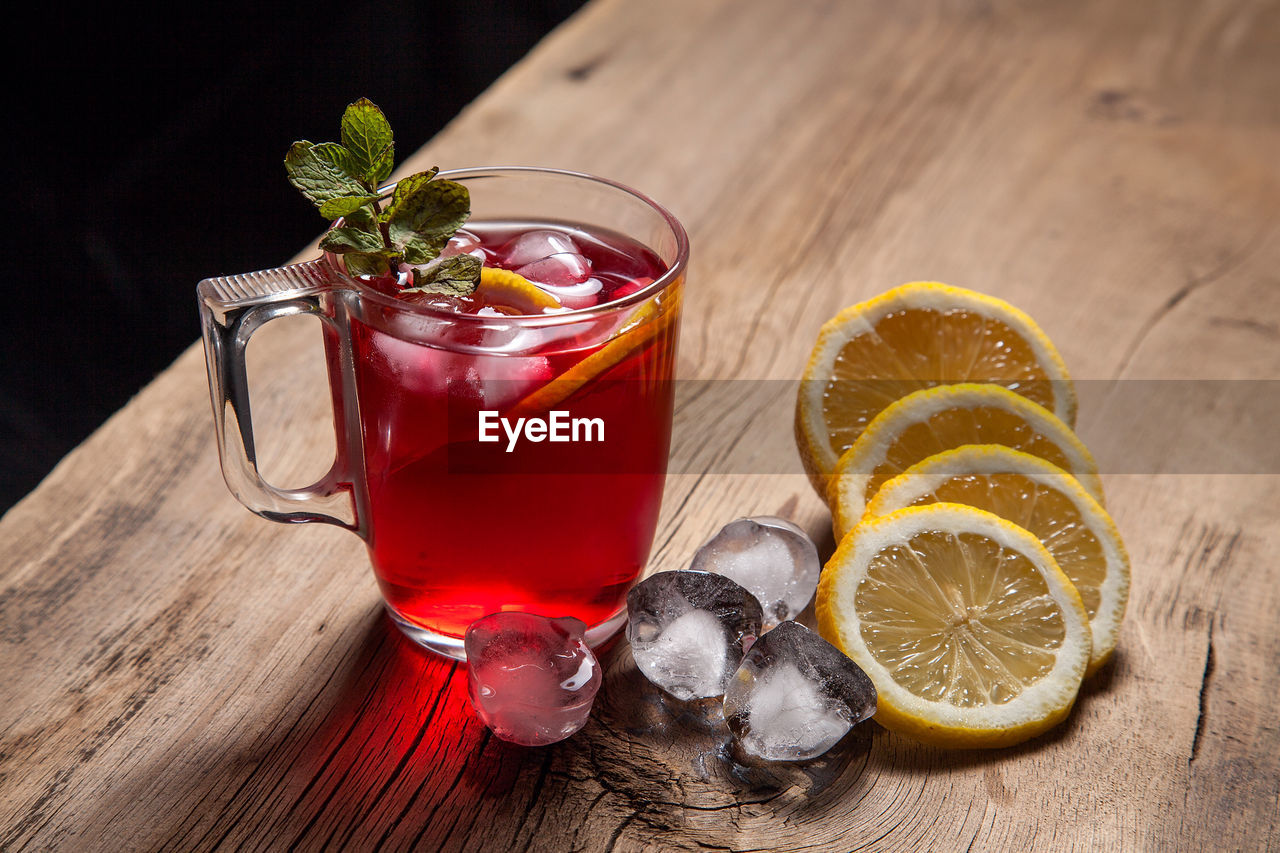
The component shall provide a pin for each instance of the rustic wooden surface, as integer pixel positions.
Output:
(178, 673)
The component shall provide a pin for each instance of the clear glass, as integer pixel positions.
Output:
(459, 525)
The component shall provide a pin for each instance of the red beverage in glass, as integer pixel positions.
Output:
(461, 528)
(500, 451)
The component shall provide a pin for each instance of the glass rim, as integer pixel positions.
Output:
(673, 274)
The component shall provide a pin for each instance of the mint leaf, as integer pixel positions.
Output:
(366, 219)
(367, 135)
(382, 165)
(316, 175)
(419, 251)
(339, 157)
(368, 263)
(406, 187)
(428, 215)
(456, 276)
(344, 206)
(348, 239)
(346, 162)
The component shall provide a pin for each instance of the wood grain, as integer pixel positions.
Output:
(180, 674)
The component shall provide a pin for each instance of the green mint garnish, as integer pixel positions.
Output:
(456, 276)
(342, 180)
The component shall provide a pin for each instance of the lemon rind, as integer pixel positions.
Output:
(653, 318)
(507, 283)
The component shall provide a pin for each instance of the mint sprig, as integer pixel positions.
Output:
(424, 211)
(456, 276)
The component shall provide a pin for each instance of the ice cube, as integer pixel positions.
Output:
(563, 269)
(688, 631)
(503, 380)
(463, 242)
(437, 301)
(795, 696)
(770, 556)
(531, 679)
(535, 245)
(584, 294)
(491, 382)
(551, 260)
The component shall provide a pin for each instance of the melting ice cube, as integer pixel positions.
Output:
(502, 381)
(531, 679)
(795, 696)
(563, 269)
(688, 631)
(770, 556)
(463, 242)
(553, 261)
(567, 277)
(491, 382)
(534, 245)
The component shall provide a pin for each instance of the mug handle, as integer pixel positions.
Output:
(232, 308)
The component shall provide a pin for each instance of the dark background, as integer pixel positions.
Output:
(150, 143)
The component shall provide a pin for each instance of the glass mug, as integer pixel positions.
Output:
(462, 514)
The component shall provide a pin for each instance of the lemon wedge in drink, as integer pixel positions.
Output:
(504, 287)
(654, 319)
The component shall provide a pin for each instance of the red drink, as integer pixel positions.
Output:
(459, 527)
(503, 450)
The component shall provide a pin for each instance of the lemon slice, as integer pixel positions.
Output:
(944, 418)
(972, 634)
(655, 318)
(1043, 499)
(917, 336)
(505, 287)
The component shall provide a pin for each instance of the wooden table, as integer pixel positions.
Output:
(178, 673)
